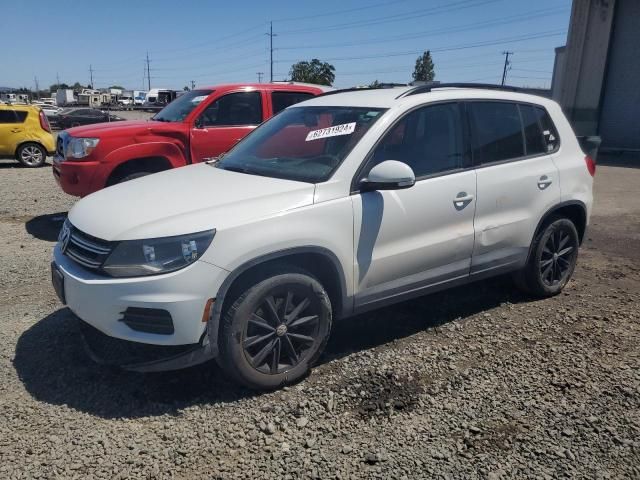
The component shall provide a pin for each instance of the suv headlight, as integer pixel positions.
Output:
(80, 147)
(135, 258)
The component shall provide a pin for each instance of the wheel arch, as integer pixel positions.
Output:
(574, 210)
(151, 164)
(26, 142)
(318, 261)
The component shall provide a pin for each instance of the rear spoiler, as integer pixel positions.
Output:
(590, 145)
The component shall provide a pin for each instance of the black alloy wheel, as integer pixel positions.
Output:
(281, 330)
(557, 256)
(552, 259)
(275, 329)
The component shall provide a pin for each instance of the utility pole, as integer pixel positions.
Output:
(57, 79)
(271, 35)
(37, 87)
(506, 64)
(260, 74)
(91, 75)
(148, 73)
(193, 84)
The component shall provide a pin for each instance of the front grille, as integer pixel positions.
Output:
(88, 251)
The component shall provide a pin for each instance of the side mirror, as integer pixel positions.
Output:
(389, 175)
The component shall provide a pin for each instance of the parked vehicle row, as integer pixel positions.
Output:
(335, 206)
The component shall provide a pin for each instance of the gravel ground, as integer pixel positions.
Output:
(477, 382)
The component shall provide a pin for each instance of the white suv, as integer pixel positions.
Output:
(335, 206)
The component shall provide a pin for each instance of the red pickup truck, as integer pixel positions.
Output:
(197, 126)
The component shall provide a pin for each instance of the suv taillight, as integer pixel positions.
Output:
(44, 122)
(591, 165)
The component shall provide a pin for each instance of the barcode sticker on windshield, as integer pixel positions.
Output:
(336, 130)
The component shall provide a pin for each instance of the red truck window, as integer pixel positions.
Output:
(282, 100)
(241, 108)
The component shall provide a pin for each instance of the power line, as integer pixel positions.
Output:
(339, 12)
(527, 16)
(513, 39)
(394, 18)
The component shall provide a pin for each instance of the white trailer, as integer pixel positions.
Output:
(65, 97)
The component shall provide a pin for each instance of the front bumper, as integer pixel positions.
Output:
(76, 178)
(140, 357)
(101, 301)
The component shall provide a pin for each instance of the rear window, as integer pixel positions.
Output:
(12, 116)
(496, 131)
(534, 140)
(282, 100)
(549, 131)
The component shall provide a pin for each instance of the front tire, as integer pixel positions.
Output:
(552, 259)
(31, 155)
(276, 330)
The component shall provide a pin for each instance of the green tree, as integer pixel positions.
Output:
(186, 89)
(424, 71)
(58, 86)
(315, 71)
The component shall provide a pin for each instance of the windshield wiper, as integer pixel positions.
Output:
(239, 170)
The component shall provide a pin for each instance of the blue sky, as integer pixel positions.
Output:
(212, 42)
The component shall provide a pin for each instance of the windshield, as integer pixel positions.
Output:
(301, 143)
(182, 106)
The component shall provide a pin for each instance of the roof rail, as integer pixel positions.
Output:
(358, 89)
(434, 85)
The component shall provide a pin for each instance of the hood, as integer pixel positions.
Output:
(185, 200)
(125, 127)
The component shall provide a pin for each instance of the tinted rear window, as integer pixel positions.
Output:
(549, 131)
(532, 132)
(282, 100)
(12, 116)
(496, 131)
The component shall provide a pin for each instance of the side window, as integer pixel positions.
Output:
(549, 131)
(21, 116)
(429, 140)
(496, 131)
(8, 116)
(534, 141)
(243, 108)
(282, 100)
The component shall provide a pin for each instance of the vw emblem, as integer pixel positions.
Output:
(63, 238)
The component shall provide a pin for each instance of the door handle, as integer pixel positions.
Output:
(544, 182)
(16, 130)
(462, 200)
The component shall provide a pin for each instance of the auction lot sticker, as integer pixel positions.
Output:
(335, 131)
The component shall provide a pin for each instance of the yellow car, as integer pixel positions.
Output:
(25, 135)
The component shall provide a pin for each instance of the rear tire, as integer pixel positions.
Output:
(275, 330)
(552, 260)
(31, 155)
